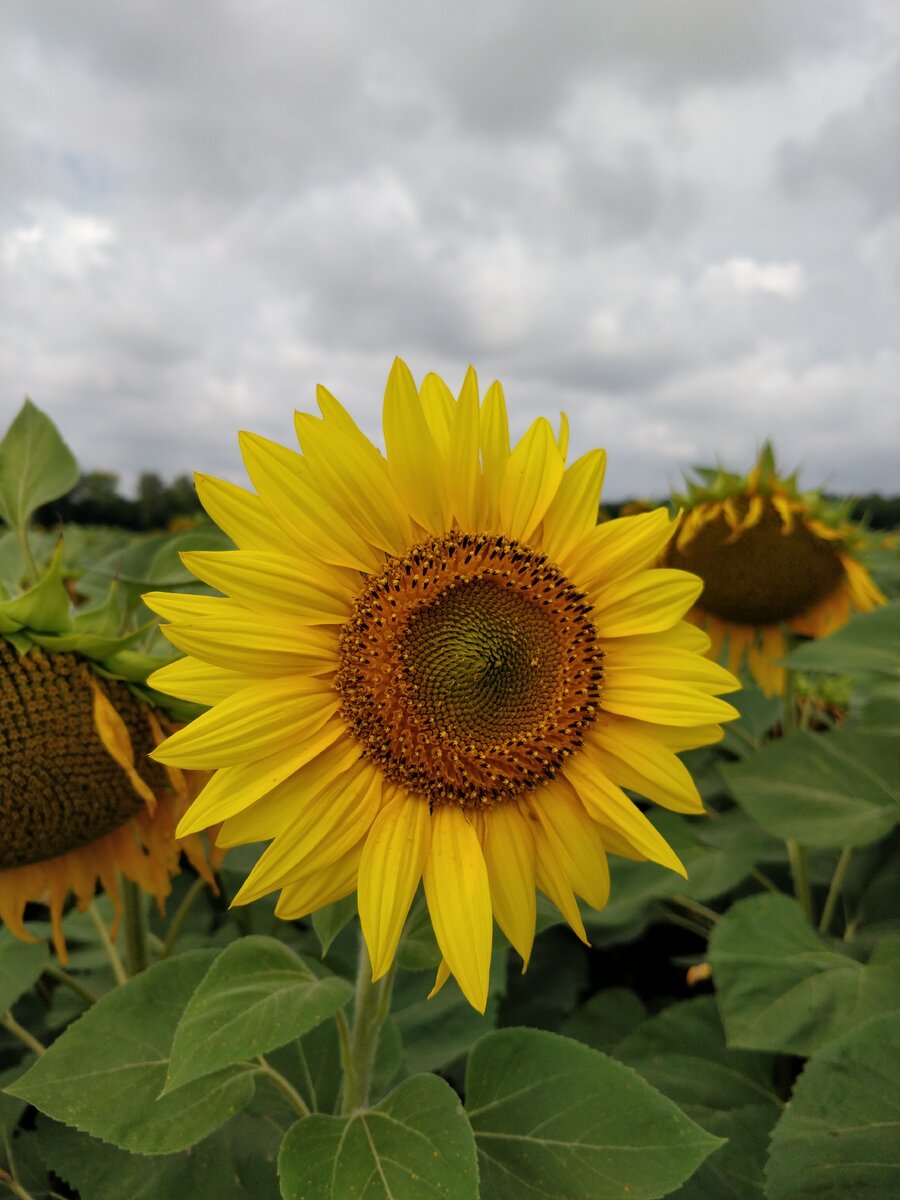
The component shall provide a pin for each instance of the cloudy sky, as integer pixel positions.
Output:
(678, 220)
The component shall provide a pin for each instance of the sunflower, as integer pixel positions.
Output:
(771, 559)
(80, 800)
(433, 665)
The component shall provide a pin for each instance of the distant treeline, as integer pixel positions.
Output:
(95, 500)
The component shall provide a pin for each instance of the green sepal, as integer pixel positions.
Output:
(92, 645)
(46, 607)
(105, 618)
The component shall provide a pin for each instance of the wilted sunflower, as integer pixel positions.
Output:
(436, 665)
(79, 798)
(771, 558)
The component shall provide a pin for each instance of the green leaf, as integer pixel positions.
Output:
(759, 713)
(21, 963)
(682, 1052)
(104, 1074)
(555, 1120)
(330, 920)
(838, 1138)
(868, 644)
(415, 1145)
(605, 1019)
(36, 466)
(781, 988)
(881, 710)
(256, 996)
(44, 606)
(831, 790)
(235, 1162)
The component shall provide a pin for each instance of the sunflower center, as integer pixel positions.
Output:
(59, 788)
(764, 576)
(470, 669)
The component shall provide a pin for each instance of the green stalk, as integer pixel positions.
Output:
(112, 954)
(296, 1101)
(797, 854)
(135, 926)
(834, 889)
(30, 564)
(373, 1001)
(180, 916)
(69, 981)
(8, 1021)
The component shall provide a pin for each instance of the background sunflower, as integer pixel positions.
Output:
(772, 560)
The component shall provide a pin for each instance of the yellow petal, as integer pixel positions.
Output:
(576, 840)
(459, 901)
(319, 888)
(284, 805)
(634, 759)
(608, 804)
(494, 437)
(113, 733)
(463, 465)
(510, 857)
(688, 737)
(645, 602)
(416, 468)
(262, 646)
(443, 974)
(190, 679)
(532, 475)
(631, 656)
(259, 720)
(283, 481)
(438, 405)
(553, 880)
(337, 417)
(682, 636)
(329, 825)
(233, 789)
(662, 701)
(355, 484)
(619, 548)
(389, 873)
(266, 582)
(573, 511)
(239, 513)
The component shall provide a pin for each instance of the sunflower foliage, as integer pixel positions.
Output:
(730, 1035)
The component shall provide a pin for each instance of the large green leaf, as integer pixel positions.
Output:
(779, 985)
(555, 1120)
(235, 1162)
(682, 1052)
(256, 996)
(839, 1138)
(104, 1075)
(415, 1145)
(867, 645)
(21, 964)
(36, 466)
(837, 789)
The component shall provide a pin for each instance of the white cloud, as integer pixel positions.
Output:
(785, 279)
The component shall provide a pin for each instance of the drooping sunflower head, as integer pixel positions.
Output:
(771, 558)
(431, 664)
(80, 800)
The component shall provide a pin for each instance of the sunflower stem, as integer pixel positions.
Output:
(8, 1021)
(181, 914)
(13, 1186)
(834, 889)
(296, 1101)
(109, 949)
(69, 981)
(799, 860)
(30, 565)
(373, 1000)
(135, 925)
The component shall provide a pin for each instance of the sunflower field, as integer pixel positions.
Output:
(400, 830)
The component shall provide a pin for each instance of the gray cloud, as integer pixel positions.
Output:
(677, 222)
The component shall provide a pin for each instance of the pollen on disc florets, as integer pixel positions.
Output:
(59, 788)
(470, 669)
(767, 574)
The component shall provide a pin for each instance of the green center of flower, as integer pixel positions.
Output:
(470, 669)
(59, 788)
(764, 576)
